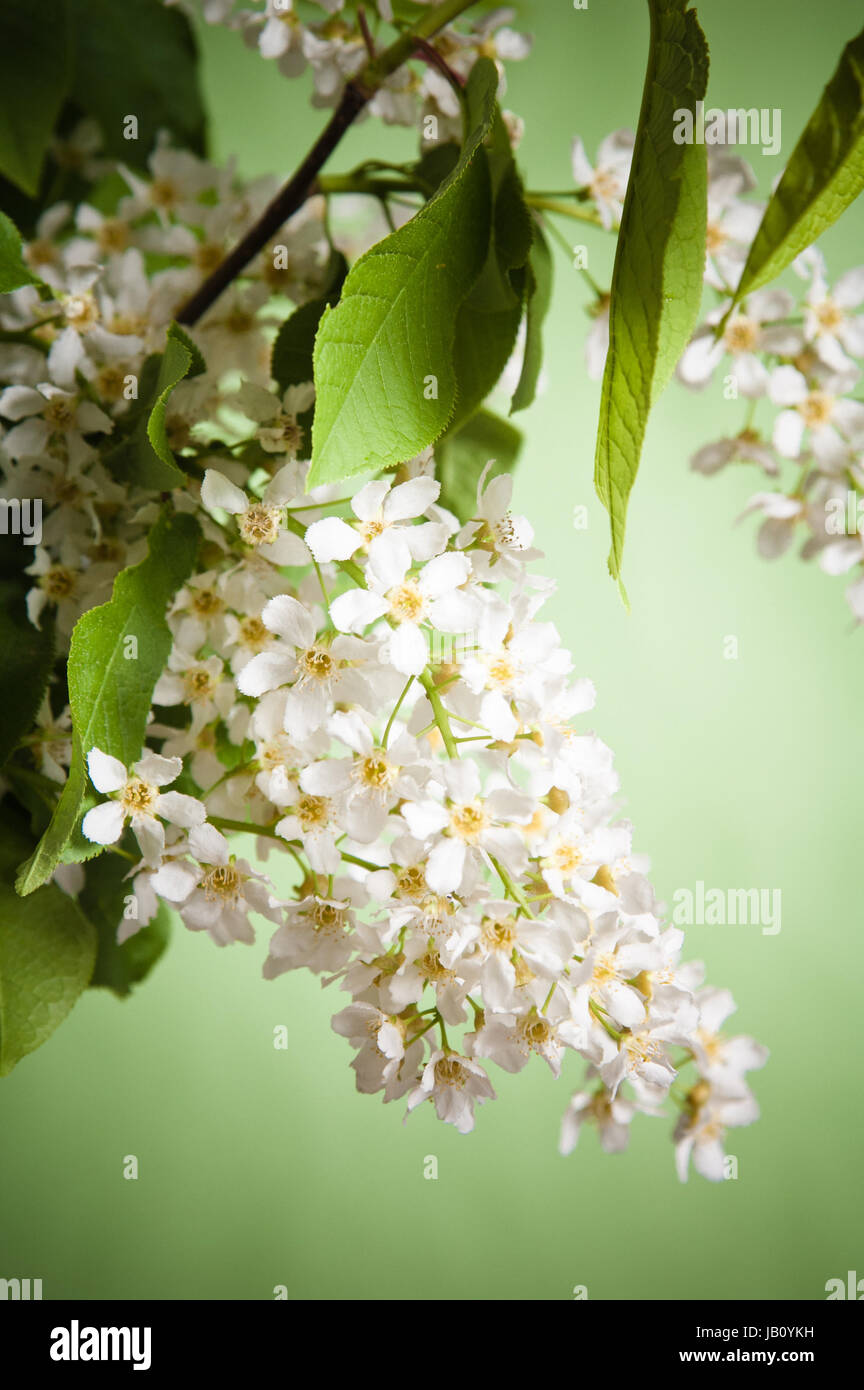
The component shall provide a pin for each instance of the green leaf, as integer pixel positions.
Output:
(461, 456)
(181, 358)
(539, 296)
(103, 900)
(111, 680)
(435, 165)
(28, 656)
(489, 318)
(47, 954)
(34, 76)
(824, 175)
(142, 456)
(384, 373)
(13, 271)
(659, 261)
(136, 58)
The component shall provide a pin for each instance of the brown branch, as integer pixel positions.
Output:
(364, 30)
(283, 206)
(428, 51)
(357, 93)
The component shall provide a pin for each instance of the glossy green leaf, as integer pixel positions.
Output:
(538, 296)
(659, 262)
(13, 271)
(47, 954)
(824, 175)
(384, 373)
(489, 319)
(117, 654)
(181, 358)
(141, 455)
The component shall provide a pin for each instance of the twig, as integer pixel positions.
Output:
(364, 30)
(357, 93)
(286, 202)
(426, 50)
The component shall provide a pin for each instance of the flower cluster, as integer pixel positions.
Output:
(801, 354)
(403, 726)
(72, 365)
(357, 679)
(330, 43)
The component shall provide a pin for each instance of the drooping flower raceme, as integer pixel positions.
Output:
(357, 678)
(417, 749)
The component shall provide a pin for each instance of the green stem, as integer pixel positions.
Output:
(442, 719)
(245, 827)
(601, 1018)
(396, 708)
(534, 200)
(514, 891)
(361, 863)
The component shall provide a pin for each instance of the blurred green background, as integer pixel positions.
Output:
(261, 1167)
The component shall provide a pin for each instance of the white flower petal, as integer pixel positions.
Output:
(332, 539)
(104, 824)
(218, 493)
(106, 773)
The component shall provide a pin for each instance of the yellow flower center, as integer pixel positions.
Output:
(138, 797)
(376, 772)
(239, 321)
(450, 1072)
(81, 311)
(60, 413)
(741, 335)
(126, 325)
(164, 193)
(259, 524)
(828, 315)
(113, 235)
(500, 936)
(198, 683)
(254, 634)
(502, 671)
(534, 1031)
(316, 664)
(329, 918)
(817, 408)
(222, 882)
(313, 811)
(411, 882)
(59, 582)
(468, 822)
(407, 603)
(110, 381)
(206, 602)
